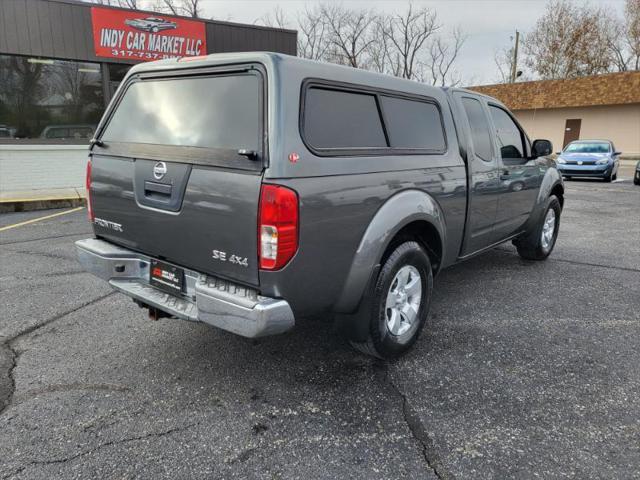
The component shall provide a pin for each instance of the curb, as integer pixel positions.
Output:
(40, 204)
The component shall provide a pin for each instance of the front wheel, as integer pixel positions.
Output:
(400, 300)
(538, 244)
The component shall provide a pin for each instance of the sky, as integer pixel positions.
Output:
(488, 24)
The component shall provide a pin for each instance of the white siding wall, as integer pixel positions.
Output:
(36, 168)
(618, 123)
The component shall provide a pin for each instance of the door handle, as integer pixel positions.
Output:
(157, 188)
(504, 175)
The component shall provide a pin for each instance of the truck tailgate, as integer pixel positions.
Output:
(177, 171)
(218, 212)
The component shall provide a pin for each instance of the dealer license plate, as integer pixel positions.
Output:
(166, 277)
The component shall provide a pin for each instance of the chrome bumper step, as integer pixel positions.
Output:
(220, 303)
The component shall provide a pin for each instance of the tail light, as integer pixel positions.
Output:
(88, 186)
(277, 227)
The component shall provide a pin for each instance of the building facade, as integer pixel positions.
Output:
(61, 62)
(595, 107)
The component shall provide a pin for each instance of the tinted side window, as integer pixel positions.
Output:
(413, 124)
(508, 134)
(480, 133)
(336, 119)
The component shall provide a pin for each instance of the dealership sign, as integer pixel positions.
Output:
(132, 35)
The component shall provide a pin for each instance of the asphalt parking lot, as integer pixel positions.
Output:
(526, 370)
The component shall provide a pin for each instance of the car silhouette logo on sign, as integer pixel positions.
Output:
(159, 170)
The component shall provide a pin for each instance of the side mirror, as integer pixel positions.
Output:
(617, 153)
(541, 148)
(558, 153)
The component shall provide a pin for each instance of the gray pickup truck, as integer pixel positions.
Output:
(249, 190)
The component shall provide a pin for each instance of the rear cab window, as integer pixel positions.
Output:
(347, 121)
(205, 119)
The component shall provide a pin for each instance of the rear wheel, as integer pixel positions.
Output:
(538, 244)
(400, 302)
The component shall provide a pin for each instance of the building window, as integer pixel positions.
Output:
(47, 100)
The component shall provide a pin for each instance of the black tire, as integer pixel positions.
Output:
(615, 176)
(530, 246)
(636, 180)
(381, 342)
(609, 177)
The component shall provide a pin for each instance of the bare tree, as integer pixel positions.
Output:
(406, 34)
(632, 32)
(187, 8)
(503, 59)
(443, 55)
(569, 40)
(624, 38)
(401, 44)
(313, 37)
(382, 59)
(132, 4)
(275, 19)
(349, 37)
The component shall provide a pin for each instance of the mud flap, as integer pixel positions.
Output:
(355, 326)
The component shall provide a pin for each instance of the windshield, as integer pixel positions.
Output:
(591, 147)
(210, 112)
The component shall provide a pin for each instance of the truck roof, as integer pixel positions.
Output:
(311, 68)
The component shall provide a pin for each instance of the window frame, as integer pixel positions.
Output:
(377, 93)
(221, 157)
(524, 138)
(488, 119)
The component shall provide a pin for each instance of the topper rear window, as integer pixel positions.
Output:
(220, 112)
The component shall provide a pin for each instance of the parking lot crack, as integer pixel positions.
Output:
(9, 355)
(8, 361)
(90, 451)
(575, 262)
(418, 430)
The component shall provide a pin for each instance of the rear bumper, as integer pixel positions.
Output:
(220, 303)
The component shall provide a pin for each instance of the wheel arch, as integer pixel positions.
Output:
(409, 214)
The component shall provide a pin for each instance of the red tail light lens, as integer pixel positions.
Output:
(278, 226)
(88, 186)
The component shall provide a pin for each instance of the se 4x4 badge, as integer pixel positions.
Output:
(223, 257)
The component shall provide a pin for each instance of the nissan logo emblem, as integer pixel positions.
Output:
(159, 170)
